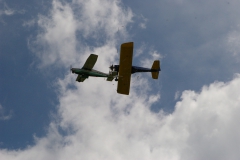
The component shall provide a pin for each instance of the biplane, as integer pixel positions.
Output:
(87, 70)
(125, 68)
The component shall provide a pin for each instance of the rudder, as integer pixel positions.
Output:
(155, 69)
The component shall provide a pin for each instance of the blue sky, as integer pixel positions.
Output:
(189, 113)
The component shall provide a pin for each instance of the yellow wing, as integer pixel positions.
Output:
(125, 68)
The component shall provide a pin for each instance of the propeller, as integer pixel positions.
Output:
(111, 67)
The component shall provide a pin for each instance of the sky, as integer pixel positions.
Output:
(191, 112)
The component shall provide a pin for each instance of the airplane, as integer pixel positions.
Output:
(125, 68)
(87, 70)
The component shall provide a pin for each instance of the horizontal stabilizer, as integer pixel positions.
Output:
(110, 78)
(112, 75)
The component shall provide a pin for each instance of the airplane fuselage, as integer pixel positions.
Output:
(137, 69)
(92, 72)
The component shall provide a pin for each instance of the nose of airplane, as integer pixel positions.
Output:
(71, 69)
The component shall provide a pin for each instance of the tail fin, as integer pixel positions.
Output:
(156, 69)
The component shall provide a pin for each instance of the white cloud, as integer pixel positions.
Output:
(3, 115)
(154, 55)
(177, 95)
(143, 23)
(29, 23)
(101, 124)
(233, 41)
(139, 51)
(73, 24)
(57, 39)
(6, 10)
(107, 18)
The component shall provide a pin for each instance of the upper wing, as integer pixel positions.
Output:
(125, 68)
(92, 59)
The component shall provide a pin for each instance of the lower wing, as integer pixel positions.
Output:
(80, 78)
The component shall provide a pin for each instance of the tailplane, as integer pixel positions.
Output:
(155, 69)
(112, 75)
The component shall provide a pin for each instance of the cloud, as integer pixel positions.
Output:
(147, 54)
(143, 23)
(75, 24)
(191, 29)
(29, 23)
(177, 94)
(3, 116)
(98, 126)
(94, 122)
(6, 10)
(139, 51)
(233, 42)
(148, 61)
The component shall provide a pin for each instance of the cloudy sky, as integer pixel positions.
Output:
(191, 112)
